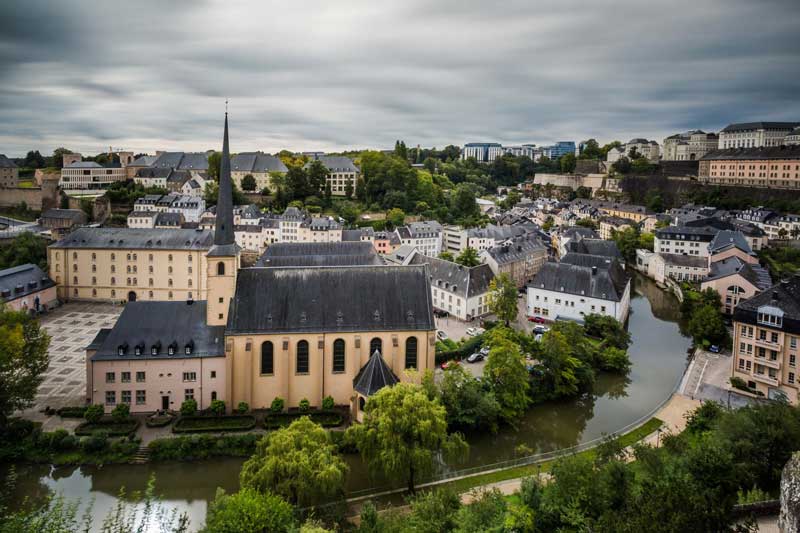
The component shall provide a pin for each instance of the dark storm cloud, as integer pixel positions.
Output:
(327, 75)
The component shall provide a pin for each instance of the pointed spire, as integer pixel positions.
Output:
(223, 234)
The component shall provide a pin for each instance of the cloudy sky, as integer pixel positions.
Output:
(328, 75)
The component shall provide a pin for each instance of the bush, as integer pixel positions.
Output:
(242, 407)
(739, 383)
(324, 419)
(110, 427)
(342, 442)
(72, 412)
(304, 405)
(121, 412)
(95, 443)
(277, 405)
(191, 447)
(158, 421)
(328, 403)
(218, 407)
(199, 424)
(466, 349)
(189, 407)
(69, 442)
(94, 413)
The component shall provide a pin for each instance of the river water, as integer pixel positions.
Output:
(658, 353)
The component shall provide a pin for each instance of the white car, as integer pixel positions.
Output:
(441, 335)
(472, 331)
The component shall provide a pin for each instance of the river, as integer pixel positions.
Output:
(658, 353)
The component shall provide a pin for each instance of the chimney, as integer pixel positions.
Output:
(594, 271)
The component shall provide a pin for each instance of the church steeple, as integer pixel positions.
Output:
(223, 233)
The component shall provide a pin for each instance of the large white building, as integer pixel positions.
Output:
(689, 146)
(755, 134)
(580, 285)
(85, 175)
(190, 207)
(649, 149)
(342, 173)
(424, 236)
(483, 152)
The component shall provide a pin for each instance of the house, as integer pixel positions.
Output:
(460, 291)
(142, 219)
(424, 236)
(342, 174)
(9, 173)
(259, 165)
(766, 329)
(168, 220)
(86, 175)
(727, 243)
(610, 224)
(572, 290)
(27, 288)
(63, 219)
(684, 240)
(519, 258)
(677, 266)
(735, 280)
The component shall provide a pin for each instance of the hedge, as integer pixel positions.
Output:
(158, 421)
(110, 427)
(192, 447)
(324, 418)
(199, 424)
(469, 347)
(72, 412)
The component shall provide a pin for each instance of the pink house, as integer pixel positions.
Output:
(27, 287)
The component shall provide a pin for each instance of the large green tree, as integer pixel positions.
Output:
(559, 363)
(507, 374)
(403, 433)
(249, 511)
(502, 298)
(248, 183)
(23, 249)
(23, 360)
(468, 257)
(214, 161)
(317, 176)
(299, 463)
(469, 407)
(706, 326)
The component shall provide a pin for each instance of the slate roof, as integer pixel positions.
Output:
(84, 164)
(374, 376)
(182, 160)
(143, 161)
(317, 299)
(743, 126)
(605, 284)
(22, 280)
(463, 281)
(765, 152)
(693, 261)
(160, 324)
(428, 228)
(400, 254)
(729, 266)
(517, 249)
(579, 232)
(687, 233)
(257, 162)
(336, 163)
(588, 260)
(351, 235)
(154, 172)
(299, 254)
(594, 247)
(141, 238)
(75, 215)
(784, 295)
(6, 162)
(169, 219)
(492, 231)
(729, 239)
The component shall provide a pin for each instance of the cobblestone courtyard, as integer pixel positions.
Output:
(72, 327)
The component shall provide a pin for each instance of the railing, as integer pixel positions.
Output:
(771, 363)
(764, 378)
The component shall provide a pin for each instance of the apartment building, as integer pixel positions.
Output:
(424, 236)
(689, 146)
(519, 258)
(649, 149)
(342, 173)
(755, 134)
(684, 240)
(259, 165)
(88, 175)
(766, 329)
(482, 152)
(773, 167)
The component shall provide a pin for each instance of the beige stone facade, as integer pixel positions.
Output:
(777, 167)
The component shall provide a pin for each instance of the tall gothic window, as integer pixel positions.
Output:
(411, 352)
(267, 360)
(302, 357)
(220, 269)
(338, 355)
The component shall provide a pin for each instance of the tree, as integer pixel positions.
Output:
(34, 159)
(507, 375)
(502, 298)
(627, 241)
(249, 511)
(94, 412)
(615, 360)
(468, 406)
(189, 407)
(121, 412)
(58, 157)
(464, 205)
(248, 183)
(214, 162)
(297, 184)
(23, 249)
(591, 150)
(317, 177)
(567, 163)
(561, 367)
(469, 258)
(23, 360)
(622, 165)
(396, 217)
(403, 433)
(299, 463)
(706, 326)
(434, 511)
(486, 513)
(348, 190)
(447, 256)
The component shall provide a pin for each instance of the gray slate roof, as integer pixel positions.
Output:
(374, 376)
(784, 295)
(257, 162)
(693, 261)
(75, 215)
(594, 247)
(84, 164)
(143, 161)
(317, 299)
(163, 239)
(765, 152)
(729, 239)
(301, 254)
(337, 163)
(6, 162)
(19, 281)
(149, 324)
(454, 278)
(588, 260)
(744, 126)
(517, 249)
(605, 284)
(755, 274)
(182, 160)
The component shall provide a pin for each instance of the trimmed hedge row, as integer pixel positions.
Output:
(326, 419)
(193, 447)
(200, 424)
(469, 347)
(158, 421)
(71, 412)
(112, 428)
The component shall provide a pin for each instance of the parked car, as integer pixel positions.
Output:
(540, 329)
(536, 319)
(472, 331)
(484, 351)
(441, 335)
(448, 364)
(714, 348)
(474, 358)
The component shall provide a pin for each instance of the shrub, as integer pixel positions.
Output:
(94, 413)
(52, 440)
(304, 405)
(277, 405)
(72, 412)
(69, 442)
(218, 407)
(466, 349)
(189, 407)
(121, 412)
(739, 383)
(191, 447)
(158, 421)
(242, 407)
(198, 424)
(328, 403)
(95, 443)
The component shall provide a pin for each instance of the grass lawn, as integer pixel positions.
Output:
(26, 184)
(464, 485)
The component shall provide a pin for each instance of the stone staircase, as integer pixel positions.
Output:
(141, 456)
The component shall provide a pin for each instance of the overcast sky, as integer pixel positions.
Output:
(330, 75)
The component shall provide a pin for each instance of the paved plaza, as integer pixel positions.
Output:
(72, 327)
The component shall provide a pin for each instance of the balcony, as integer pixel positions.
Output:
(766, 361)
(777, 346)
(764, 378)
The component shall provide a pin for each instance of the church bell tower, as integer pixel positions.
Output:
(222, 261)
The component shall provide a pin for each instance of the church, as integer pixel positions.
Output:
(289, 332)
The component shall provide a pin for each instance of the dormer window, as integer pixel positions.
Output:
(189, 348)
(770, 316)
(138, 350)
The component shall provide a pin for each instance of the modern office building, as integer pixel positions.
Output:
(482, 152)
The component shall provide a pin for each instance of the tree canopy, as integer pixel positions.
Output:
(23, 249)
(502, 298)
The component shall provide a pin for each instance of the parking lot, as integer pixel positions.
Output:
(707, 378)
(72, 328)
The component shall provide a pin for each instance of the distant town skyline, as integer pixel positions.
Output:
(152, 76)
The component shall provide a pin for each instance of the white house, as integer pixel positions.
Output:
(424, 236)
